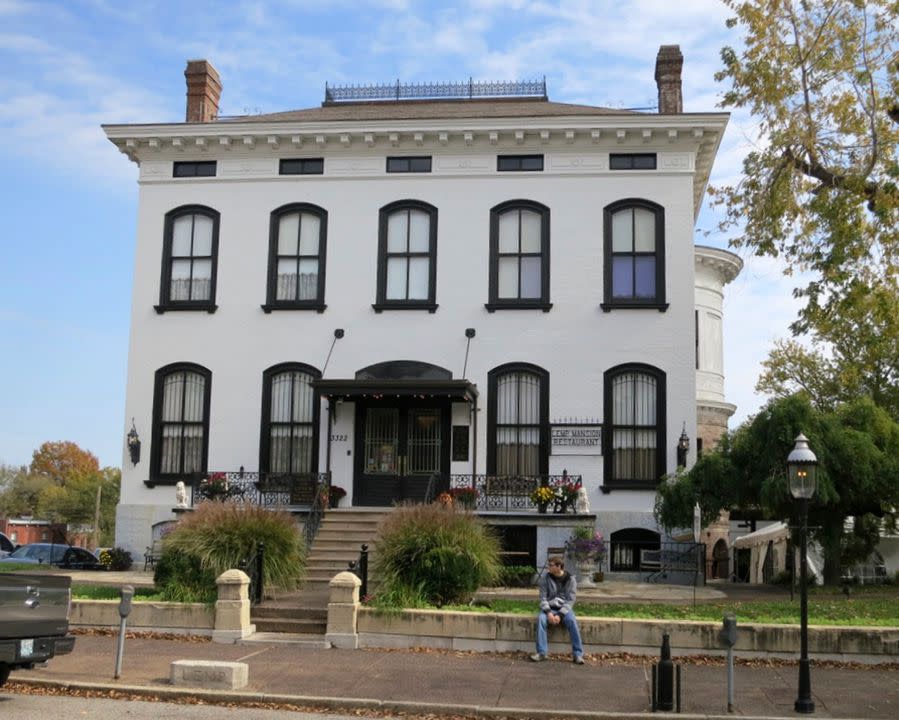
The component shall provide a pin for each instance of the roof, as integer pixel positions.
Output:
(432, 110)
(762, 536)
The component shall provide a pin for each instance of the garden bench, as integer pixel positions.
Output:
(152, 554)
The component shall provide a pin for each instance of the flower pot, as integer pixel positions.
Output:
(541, 507)
(585, 570)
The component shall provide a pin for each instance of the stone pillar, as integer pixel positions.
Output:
(669, 63)
(232, 609)
(204, 88)
(343, 609)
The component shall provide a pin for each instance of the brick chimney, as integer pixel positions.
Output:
(669, 63)
(204, 87)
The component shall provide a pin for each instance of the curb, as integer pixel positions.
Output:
(214, 697)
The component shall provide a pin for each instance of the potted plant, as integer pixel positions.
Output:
(587, 547)
(542, 496)
(215, 486)
(335, 492)
(466, 497)
(567, 495)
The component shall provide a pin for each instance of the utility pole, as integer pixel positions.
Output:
(96, 535)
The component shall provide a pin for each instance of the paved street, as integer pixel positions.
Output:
(446, 682)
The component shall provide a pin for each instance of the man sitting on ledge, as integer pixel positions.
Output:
(557, 593)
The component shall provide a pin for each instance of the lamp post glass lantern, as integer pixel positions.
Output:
(802, 466)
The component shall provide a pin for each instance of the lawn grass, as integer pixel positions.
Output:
(103, 592)
(877, 607)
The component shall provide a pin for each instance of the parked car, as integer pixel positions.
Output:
(6, 545)
(64, 556)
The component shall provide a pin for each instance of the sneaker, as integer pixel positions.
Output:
(538, 657)
(578, 659)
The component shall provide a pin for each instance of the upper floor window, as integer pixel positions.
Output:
(519, 256)
(634, 249)
(289, 442)
(189, 255)
(409, 164)
(632, 161)
(201, 168)
(513, 163)
(296, 258)
(407, 257)
(301, 166)
(518, 420)
(634, 426)
(180, 423)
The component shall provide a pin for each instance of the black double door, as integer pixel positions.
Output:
(399, 445)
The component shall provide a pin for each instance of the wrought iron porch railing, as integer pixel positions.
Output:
(359, 567)
(257, 488)
(512, 493)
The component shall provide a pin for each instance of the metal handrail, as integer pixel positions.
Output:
(320, 503)
(253, 566)
(359, 568)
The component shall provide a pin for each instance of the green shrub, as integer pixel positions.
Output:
(516, 575)
(218, 537)
(115, 559)
(433, 554)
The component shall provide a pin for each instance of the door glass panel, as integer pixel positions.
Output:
(423, 441)
(381, 425)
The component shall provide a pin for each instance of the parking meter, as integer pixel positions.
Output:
(125, 601)
(729, 630)
(127, 594)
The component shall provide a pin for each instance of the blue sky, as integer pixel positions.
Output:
(70, 198)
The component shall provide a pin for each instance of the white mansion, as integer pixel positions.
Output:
(479, 282)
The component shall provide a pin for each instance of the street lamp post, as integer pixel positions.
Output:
(802, 467)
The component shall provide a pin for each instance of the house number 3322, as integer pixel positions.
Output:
(338, 438)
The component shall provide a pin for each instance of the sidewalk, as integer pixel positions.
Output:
(461, 683)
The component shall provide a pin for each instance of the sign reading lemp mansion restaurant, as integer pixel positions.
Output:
(576, 439)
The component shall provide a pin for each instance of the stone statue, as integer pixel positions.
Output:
(582, 504)
(181, 494)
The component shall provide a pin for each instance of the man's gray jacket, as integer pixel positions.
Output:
(557, 594)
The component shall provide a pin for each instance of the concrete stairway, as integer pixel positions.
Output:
(339, 540)
(303, 613)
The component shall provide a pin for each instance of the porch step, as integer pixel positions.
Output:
(286, 638)
(295, 626)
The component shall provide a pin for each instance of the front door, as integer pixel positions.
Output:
(398, 447)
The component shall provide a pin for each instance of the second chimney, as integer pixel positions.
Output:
(204, 88)
(669, 63)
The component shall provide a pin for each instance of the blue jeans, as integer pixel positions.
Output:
(570, 623)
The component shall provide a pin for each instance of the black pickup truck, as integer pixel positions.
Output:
(34, 619)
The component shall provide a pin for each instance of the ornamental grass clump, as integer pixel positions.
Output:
(433, 555)
(218, 537)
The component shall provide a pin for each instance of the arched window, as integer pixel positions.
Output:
(634, 426)
(518, 420)
(180, 422)
(407, 257)
(189, 259)
(634, 251)
(519, 256)
(290, 414)
(626, 548)
(296, 258)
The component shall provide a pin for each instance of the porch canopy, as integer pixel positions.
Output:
(349, 389)
(399, 378)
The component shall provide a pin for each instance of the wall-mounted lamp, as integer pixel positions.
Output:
(683, 447)
(133, 444)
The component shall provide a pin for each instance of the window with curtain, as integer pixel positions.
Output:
(519, 256)
(180, 422)
(190, 249)
(634, 423)
(407, 256)
(290, 420)
(634, 251)
(517, 420)
(296, 270)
